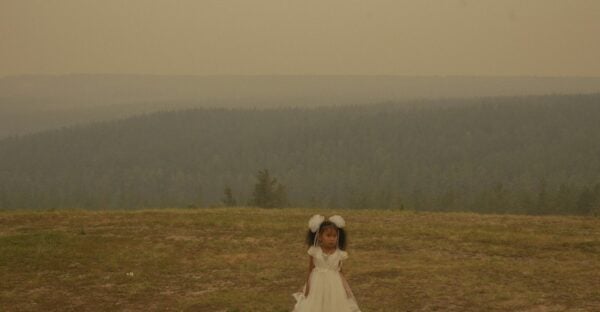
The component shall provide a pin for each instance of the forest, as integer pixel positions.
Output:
(519, 154)
(33, 103)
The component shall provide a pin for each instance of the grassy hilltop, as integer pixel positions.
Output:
(247, 259)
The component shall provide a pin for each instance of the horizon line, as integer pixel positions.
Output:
(57, 75)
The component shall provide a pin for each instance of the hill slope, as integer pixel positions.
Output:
(513, 154)
(34, 103)
(253, 259)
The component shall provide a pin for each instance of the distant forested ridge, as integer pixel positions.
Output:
(534, 154)
(33, 103)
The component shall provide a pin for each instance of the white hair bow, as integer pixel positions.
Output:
(338, 221)
(315, 222)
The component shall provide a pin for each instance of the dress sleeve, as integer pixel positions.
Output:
(343, 255)
(312, 251)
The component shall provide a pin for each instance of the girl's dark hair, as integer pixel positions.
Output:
(310, 236)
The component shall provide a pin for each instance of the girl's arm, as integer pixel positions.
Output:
(311, 266)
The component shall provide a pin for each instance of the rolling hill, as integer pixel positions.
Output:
(35, 103)
(537, 154)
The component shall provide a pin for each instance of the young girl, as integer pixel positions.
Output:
(326, 289)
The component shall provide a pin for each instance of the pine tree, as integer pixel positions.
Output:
(228, 199)
(268, 193)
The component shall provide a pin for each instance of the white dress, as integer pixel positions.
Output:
(329, 291)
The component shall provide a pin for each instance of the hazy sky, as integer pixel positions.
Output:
(205, 37)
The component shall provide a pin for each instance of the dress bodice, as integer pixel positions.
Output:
(323, 261)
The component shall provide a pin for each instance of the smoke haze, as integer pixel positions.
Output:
(210, 37)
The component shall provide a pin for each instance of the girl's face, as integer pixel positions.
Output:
(328, 237)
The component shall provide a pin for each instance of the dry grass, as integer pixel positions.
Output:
(246, 259)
